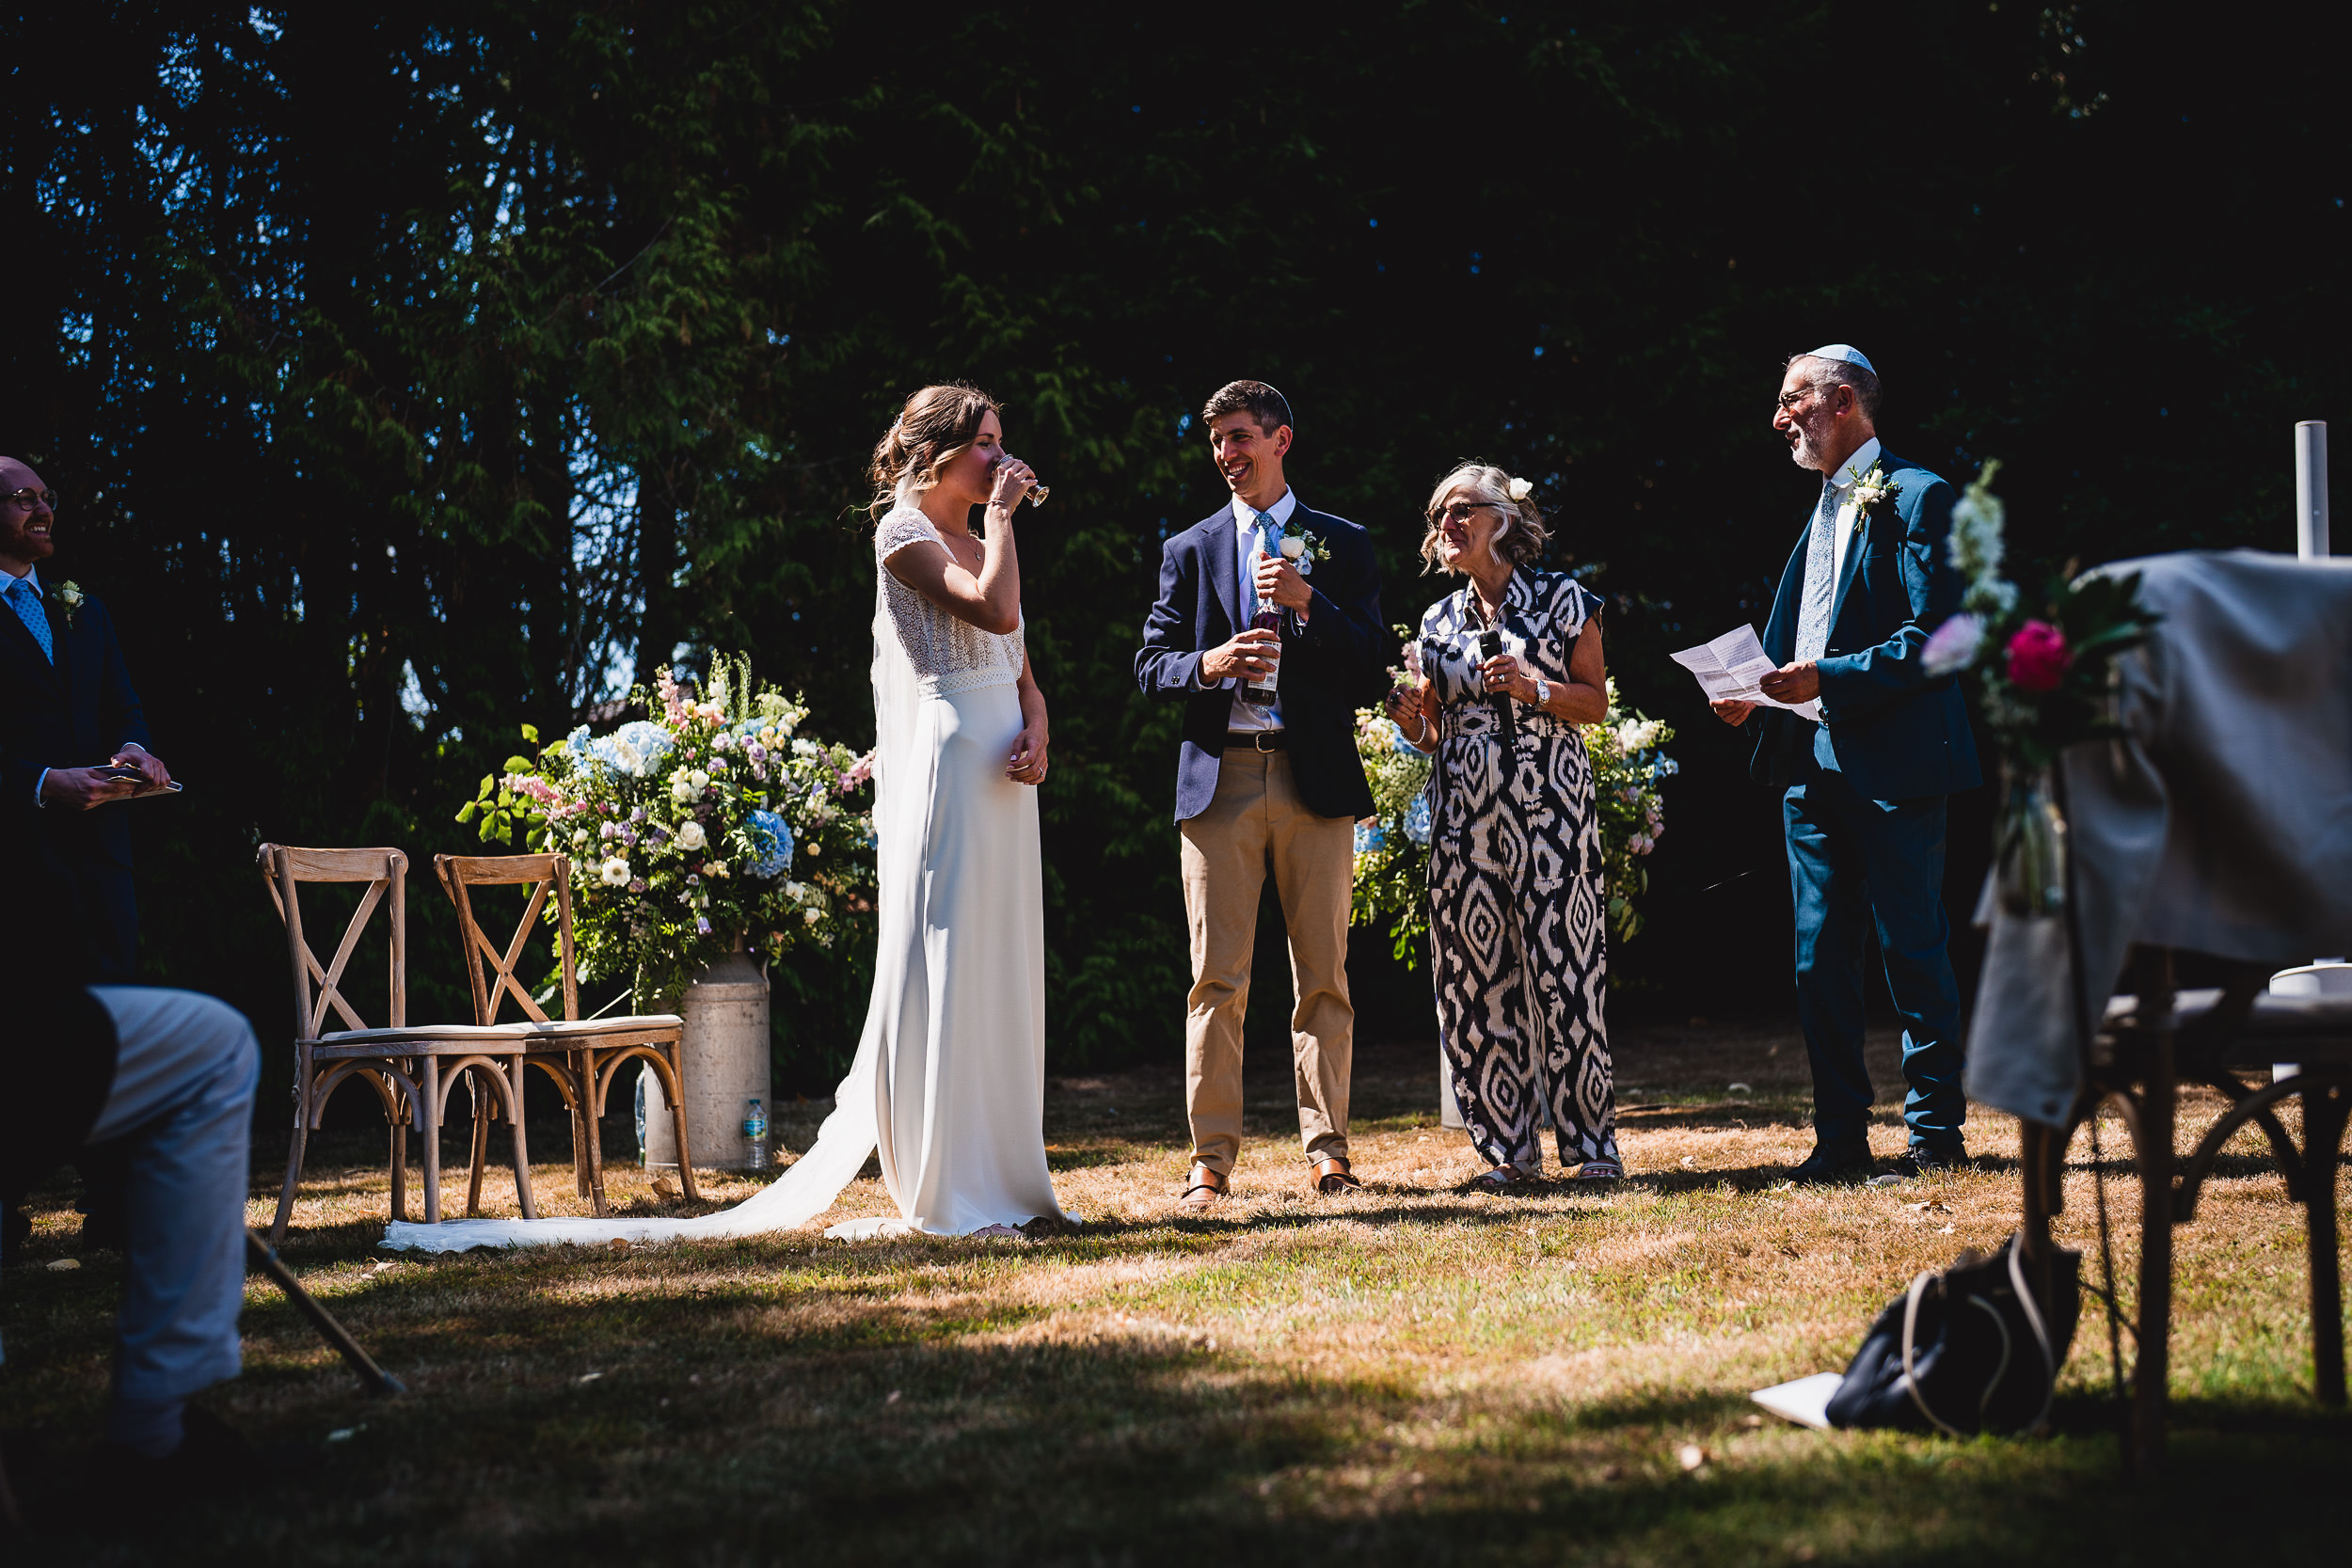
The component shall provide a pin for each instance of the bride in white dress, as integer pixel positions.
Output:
(949, 1082)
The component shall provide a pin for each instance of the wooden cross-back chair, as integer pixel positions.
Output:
(582, 1056)
(411, 1069)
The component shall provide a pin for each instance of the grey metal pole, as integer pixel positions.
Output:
(2311, 489)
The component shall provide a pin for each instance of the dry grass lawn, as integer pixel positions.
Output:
(1412, 1374)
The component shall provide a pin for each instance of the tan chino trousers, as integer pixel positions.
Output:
(1257, 820)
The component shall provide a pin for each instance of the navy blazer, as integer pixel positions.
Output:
(1332, 664)
(1895, 731)
(74, 713)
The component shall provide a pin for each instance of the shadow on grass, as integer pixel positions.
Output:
(766, 1399)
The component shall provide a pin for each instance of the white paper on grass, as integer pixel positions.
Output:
(1729, 668)
(1805, 1401)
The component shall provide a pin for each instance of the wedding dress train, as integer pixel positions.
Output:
(949, 1085)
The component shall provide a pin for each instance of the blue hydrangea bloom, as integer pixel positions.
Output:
(1416, 819)
(773, 836)
(635, 748)
(1370, 836)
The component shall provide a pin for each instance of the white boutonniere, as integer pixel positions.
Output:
(70, 594)
(1871, 492)
(1303, 548)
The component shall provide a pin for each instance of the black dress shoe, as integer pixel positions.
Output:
(1832, 1167)
(1915, 1162)
(213, 1463)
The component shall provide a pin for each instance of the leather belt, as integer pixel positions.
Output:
(1255, 741)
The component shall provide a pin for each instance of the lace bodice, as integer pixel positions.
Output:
(949, 655)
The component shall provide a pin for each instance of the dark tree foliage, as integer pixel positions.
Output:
(414, 375)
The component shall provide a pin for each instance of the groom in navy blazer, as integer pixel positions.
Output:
(68, 713)
(1266, 785)
(1863, 789)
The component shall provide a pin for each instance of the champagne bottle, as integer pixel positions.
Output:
(1259, 689)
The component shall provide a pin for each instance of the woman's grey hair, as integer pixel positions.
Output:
(1842, 373)
(1522, 536)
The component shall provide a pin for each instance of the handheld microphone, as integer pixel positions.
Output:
(1490, 646)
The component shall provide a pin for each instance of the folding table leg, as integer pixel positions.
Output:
(2325, 1110)
(2151, 1374)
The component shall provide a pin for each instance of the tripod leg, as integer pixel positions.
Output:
(372, 1377)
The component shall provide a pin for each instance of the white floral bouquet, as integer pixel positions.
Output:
(1630, 767)
(683, 829)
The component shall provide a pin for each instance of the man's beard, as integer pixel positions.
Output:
(1802, 451)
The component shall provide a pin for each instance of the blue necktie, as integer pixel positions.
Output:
(1267, 538)
(26, 603)
(1821, 578)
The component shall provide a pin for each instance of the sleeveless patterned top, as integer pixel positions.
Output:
(949, 655)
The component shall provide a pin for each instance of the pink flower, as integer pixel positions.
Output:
(2037, 657)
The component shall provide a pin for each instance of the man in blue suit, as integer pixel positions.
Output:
(1265, 780)
(1863, 789)
(69, 722)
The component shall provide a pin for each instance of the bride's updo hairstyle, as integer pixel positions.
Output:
(932, 431)
(1522, 535)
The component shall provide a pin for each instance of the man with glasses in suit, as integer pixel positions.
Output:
(72, 740)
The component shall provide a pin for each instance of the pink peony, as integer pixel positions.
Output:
(2037, 657)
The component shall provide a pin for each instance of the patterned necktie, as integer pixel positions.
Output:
(26, 604)
(1265, 536)
(1821, 578)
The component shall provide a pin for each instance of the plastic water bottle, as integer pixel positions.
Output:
(755, 1131)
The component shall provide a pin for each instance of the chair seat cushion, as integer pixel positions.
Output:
(557, 1034)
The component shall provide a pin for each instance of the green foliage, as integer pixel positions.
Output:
(409, 370)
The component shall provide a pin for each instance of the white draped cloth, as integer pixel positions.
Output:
(949, 1085)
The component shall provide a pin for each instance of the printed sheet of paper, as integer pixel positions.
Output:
(1805, 1401)
(1730, 667)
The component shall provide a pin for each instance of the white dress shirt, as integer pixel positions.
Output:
(1842, 532)
(1249, 717)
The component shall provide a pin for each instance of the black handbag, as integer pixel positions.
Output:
(1966, 1351)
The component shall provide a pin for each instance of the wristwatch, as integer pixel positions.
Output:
(1543, 692)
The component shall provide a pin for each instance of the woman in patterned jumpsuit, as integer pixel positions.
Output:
(1510, 666)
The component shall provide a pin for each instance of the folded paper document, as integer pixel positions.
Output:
(1729, 668)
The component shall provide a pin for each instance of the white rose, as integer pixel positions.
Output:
(1294, 547)
(690, 835)
(699, 779)
(682, 788)
(1519, 489)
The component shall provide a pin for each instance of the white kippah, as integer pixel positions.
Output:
(1846, 352)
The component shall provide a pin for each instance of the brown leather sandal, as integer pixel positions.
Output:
(1332, 1175)
(1206, 1188)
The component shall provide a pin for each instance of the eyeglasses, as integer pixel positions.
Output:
(1790, 400)
(1459, 512)
(28, 499)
